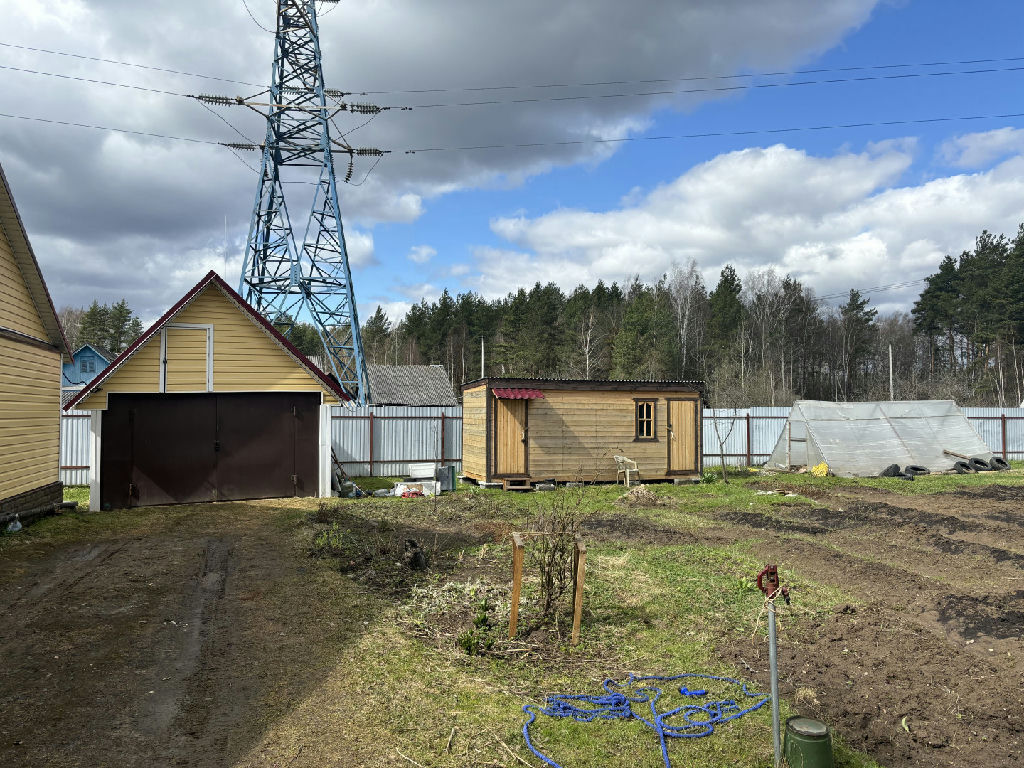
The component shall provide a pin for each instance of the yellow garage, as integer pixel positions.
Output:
(210, 404)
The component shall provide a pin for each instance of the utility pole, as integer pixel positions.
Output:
(892, 391)
(286, 279)
(481, 357)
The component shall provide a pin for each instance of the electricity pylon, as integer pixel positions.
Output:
(281, 278)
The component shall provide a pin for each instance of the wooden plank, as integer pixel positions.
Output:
(517, 582)
(579, 572)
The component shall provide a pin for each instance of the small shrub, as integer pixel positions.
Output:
(330, 542)
(478, 641)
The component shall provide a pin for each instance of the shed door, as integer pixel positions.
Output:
(682, 436)
(186, 359)
(510, 436)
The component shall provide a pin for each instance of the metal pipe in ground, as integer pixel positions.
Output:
(773, 663)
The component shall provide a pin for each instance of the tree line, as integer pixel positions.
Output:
(764, 340)
(111, 327)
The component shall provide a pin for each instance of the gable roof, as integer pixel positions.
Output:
(14, 229)
(212, 278)
(101, 351)
(410, 385)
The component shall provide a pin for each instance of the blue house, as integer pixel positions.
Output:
(83, 367)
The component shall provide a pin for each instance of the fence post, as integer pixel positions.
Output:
(748, 440)
(442, 437)
(1003, 419)
(371, 443)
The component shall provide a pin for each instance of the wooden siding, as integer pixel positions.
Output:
(575, 433)
(17, 310)
(245, 359)
(186, 360)
(29, 417)
(474, 433)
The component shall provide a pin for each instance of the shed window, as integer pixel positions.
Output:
(88, 366)
(645, 426)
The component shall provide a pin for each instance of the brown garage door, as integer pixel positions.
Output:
(190, 448)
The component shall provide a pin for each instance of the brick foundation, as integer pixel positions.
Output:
(30, 503)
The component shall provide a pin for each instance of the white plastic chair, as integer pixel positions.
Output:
(625, 466)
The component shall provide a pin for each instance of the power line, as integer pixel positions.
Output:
(93, 81)
(127, 64)
(876, 289)
(573, 142)
(254, 20)
(647, 81)
(700, 78)
(718, 134)
(715, 89)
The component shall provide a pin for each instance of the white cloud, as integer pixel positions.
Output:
(421, 254)
(360, 248)
(978, 150)
(92, 192)
(835, 223)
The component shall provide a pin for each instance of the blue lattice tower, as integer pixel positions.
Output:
(284, 280)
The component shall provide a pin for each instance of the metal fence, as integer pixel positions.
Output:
(749, 434)
(383, 441)
(74, 447)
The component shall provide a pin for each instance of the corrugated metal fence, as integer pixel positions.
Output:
(383, 441)
(749, 434)
(74, 447)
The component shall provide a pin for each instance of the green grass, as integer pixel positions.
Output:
(79, 493)
(923, 484)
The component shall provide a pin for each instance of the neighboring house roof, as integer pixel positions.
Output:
(66, 396)
(101, 351)
(212, 278)
(14, 229)
(410, 385)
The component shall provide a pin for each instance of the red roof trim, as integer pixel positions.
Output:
(504, 393)
(211, 277)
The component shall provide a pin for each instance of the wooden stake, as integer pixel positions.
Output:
(579, 570)
(517, 582)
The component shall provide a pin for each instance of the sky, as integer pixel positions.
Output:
(658, 132)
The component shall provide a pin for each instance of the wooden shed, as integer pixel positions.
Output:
(531, 430)
(210, 404)
(31, 343)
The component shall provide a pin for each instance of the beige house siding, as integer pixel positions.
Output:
(29, 417)
(139, 374)
(474, 432)
(187, 359)
(17, 311)
(245, 358)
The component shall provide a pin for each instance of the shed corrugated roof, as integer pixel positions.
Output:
(516, 393)
(410, 385)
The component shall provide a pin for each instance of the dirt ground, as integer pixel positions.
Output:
(183, 638)
(928, 668)
(158, 646)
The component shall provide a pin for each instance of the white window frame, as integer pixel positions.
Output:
(209, 352)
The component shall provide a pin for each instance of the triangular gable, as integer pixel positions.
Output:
(101, 351)
(212, 279)
(24, 257)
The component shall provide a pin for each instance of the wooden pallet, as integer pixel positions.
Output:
(516, 484)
